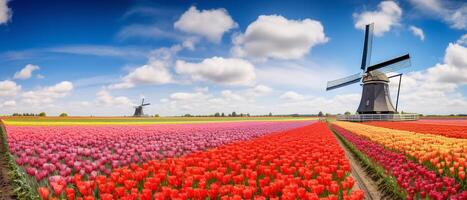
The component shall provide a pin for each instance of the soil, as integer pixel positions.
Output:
(6, 189)
(364, 182)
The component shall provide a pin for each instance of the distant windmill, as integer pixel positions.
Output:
(139, 109)
(375, 95)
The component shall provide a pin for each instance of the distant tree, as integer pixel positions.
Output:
(270, 114)
(320, 114)
(328, 114)
(347, 113)
(217, 114)
(188, 115)
(63, 115)
(229, 115)
(42, 114)
(156, 115)
(222, 115)
(248, 114)
(234, 114)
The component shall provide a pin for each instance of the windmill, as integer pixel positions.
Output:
(375, 94)
(139, 109)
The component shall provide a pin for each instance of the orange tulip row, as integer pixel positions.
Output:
(447, 156)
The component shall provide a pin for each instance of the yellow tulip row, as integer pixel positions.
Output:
(444, 153)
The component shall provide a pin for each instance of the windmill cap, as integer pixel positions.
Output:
(375, 75)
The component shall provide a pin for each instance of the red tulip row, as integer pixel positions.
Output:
(416, 181)
(303, 163)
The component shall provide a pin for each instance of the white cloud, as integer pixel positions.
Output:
(105, 98)
(312, 105)
(211, 24)
(387, 16)
(289, 74)
(229, 71)
(452, 12)
(9, 88)
(463, 40)
(47, 95)
(274, 36)
(434, 90)
(181, 96)
(231, 96)
(417, 32)
(262, 89)
(155, 72)
(5, 12)
(26, 72)
(201, 101)
(9, 103)
(291, 95)
(454, 69)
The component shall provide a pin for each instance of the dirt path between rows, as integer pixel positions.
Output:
(364, 182)
(6, 189)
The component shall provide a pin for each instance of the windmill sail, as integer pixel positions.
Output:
(366, 56)
(392, 65)
(344, 81)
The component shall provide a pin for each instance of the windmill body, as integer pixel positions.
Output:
(375, 95)
(139, 109)
(375, 91)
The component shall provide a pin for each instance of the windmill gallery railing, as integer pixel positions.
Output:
(378, 117)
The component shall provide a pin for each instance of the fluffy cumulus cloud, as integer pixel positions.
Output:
(274, 36)
(155, 72)
(211, 24)
(453, 13)
(26, 72)
(9, 88)
(105, 98)
(47, 95)
(229, 71)
(435, 90)
(5, 12)
(417, 32)
(384, 18)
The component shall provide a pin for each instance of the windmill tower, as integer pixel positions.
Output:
(375, 94)
(139, 109)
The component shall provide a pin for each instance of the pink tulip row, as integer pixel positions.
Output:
(94, 150)
(416, 180)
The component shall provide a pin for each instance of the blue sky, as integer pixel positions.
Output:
(100, 58)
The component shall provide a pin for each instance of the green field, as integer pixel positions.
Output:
(64, 121)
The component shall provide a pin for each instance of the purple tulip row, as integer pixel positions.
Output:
(93, 150)
(417, 181)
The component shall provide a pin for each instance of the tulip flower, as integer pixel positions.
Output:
(413, 178)
(43, 192)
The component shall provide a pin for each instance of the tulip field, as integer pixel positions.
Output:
(421, 160)
(230, 160)
(257, 159)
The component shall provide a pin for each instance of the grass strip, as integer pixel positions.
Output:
(386, 184)
(21, 188)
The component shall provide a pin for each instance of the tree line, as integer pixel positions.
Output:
(41, 114)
